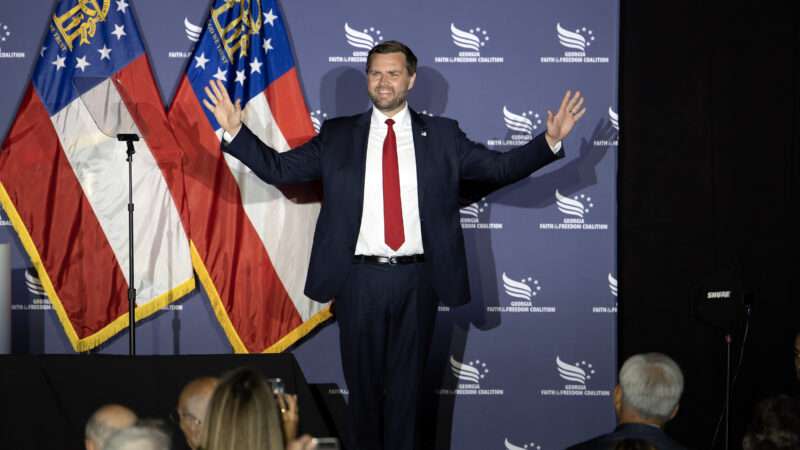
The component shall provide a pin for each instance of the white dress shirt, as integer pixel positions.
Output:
(371, 237)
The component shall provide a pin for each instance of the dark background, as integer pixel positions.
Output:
(708, 195)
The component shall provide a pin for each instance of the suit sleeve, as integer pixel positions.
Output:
(298, 165)
(479, 164)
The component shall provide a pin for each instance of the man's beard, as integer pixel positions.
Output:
(388, 105)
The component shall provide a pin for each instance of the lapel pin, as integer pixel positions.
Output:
(424, 133)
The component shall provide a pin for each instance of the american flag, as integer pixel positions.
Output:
(63, 174)
(251, 241)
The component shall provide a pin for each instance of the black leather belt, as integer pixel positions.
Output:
(410, 259)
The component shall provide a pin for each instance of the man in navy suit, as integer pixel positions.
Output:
(646, 398)
(388, 243)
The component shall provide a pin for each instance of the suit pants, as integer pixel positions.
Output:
(386, 316)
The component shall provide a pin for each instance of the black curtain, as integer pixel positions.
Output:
(708, 171)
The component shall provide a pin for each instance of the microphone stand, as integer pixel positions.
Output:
(129, 139)
(102, 97)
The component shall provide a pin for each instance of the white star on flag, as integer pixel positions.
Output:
(82, 63)
(105, 53)
(220, 75)
(119, 31)
(255, 66)
(201, 61)
(240, 77)
(267, 45)
(122, 6)
(269, 17)
(59, 62)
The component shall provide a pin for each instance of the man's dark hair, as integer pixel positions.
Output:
(395, 47)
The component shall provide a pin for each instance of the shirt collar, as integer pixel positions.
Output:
(638, 426)
(400, 119)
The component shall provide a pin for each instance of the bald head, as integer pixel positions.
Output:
(192, 407)
(106, 421)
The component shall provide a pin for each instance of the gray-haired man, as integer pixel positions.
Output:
(647, 396)
(138, 438)
(107, 420)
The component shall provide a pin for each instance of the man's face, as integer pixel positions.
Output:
(797, 355)
(388, 81)
(191, 412)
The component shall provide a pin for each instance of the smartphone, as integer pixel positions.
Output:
(327, 443)
(277, 385)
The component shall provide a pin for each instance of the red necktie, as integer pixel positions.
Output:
(392, 209)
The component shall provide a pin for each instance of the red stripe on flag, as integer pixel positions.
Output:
(136, 86)
(254, 299)
(285, 98)
(60, 222)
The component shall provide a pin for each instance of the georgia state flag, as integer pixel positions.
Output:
(64, 175)
(252, 240)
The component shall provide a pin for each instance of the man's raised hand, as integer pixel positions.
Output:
(228, 115)
(560, 124)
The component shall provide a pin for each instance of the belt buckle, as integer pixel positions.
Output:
(393, 260)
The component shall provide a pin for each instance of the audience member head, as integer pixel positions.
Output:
(155, 424)
(107, 420)
(243, 414)
(775, 425)
(650, 386)
(634, 444)
(137, 437)
(192, 407)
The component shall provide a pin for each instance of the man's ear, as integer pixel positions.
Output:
(413, 79)
(674, 411)
(618, 399)
(89, 444)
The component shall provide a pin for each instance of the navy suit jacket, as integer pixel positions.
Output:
(651, 434)
(337, 157)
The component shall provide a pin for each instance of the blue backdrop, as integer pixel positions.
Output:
(530, 362)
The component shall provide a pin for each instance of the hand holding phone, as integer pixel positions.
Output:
(277, 385)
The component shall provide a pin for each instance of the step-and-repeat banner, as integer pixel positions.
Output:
(528, 364)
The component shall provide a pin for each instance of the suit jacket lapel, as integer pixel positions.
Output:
(419, 130)
(360, 137)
